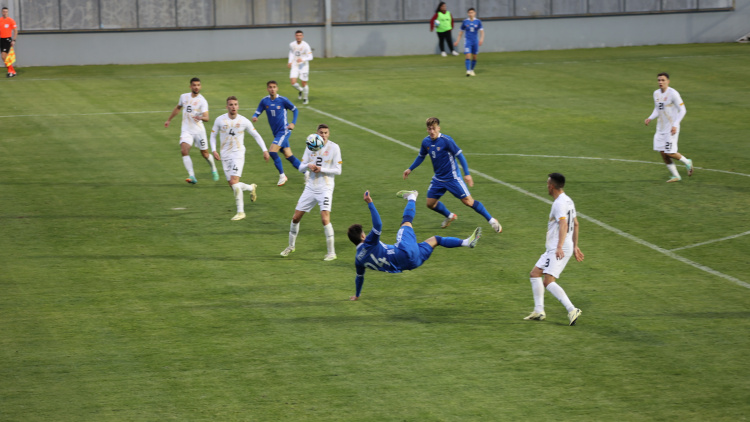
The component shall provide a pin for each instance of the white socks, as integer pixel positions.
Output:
(559, 293)
(684, 160)
(305, 91)
(293, 231)
(297, 87)
(537, 288)
(673, 169)
(188, 165)
(238, 197)
(328, 230)
(210, 160)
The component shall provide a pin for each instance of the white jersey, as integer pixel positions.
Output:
(192, 106)
(232, 135)
(302, 51)
(669, 108)
(328, 159)
(562, 209)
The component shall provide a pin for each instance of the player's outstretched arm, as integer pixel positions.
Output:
(171, 116)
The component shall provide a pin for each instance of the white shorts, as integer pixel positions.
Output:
(666, 142)
(233, 166)
(299, 72)
(309, 198)
(549, 263)
(197, 139)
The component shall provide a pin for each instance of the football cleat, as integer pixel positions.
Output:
(472, 73)
(299, 97)
(238, 216)
(282, 179)
(674, 179)
(474, 238)
(191, 180)
(496, 225)
(455, 53)
(536, 316)
(573, 316)
(329, 257)
(215, 176)
(305, 101)
(253, 193)
(287, 251)
(689, 166)
(468, 73)
(406, 193)
(447, 222)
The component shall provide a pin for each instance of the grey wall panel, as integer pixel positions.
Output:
(233, 12)
(156, 14)
(606, 6)
(712, 4)
(642, 5)
(680, 4)
(79, 14)
(348, 10)
(272, 12)
(569, 7)
(40, 15)
(380, 40)
(194, 13)
(384, 10)
(117, 14)
(308, 11)
(497, 8)
(533, 8)
(419, 9)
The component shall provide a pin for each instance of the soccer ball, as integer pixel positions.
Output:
(314, 142)
(437, 22)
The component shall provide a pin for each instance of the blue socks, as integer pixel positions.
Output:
(478, 207)
(442, 209)
(295, 162)
(448, 242)
(468, 64)
(473, 63)
(277, 161)
(409, 212)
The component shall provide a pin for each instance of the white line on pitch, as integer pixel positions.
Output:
(608, 159)
(84, 114)
(711, 241)
(535, 196)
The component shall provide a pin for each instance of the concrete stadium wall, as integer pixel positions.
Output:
(40, 49)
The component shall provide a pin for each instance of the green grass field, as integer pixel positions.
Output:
(127, 294)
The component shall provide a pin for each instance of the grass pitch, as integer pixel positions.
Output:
(128, 295)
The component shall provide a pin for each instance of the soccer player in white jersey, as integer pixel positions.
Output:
(231, 128)
(670, 109)
(562, 242)
(324, 165)
(300, 54)
(194, 113)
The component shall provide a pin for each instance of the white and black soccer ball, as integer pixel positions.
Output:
(314, 142)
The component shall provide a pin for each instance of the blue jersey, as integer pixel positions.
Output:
(276, 112)
(444, 152)
(405, 255)
(471, 29)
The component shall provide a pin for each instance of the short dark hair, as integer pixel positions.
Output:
(322, 126)
(194, 80)
(299, 31)
(271, 82)
(663, 74)
(232, 98)
(558, 180)
(4, 8)
(355, 234)
(471, 8)
(433, 121)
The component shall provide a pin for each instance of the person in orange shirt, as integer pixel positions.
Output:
(8, 35)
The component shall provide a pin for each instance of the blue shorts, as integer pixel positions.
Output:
(282, 139)
(412, 254)
(456, 187)
(471, 47)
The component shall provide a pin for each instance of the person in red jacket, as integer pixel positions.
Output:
(442, 23)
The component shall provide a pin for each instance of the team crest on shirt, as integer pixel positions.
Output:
(438, 148)
(278, 107)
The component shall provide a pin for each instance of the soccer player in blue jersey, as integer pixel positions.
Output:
(275, 107)
(406, 254)
(444, 154)
(474, 38)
